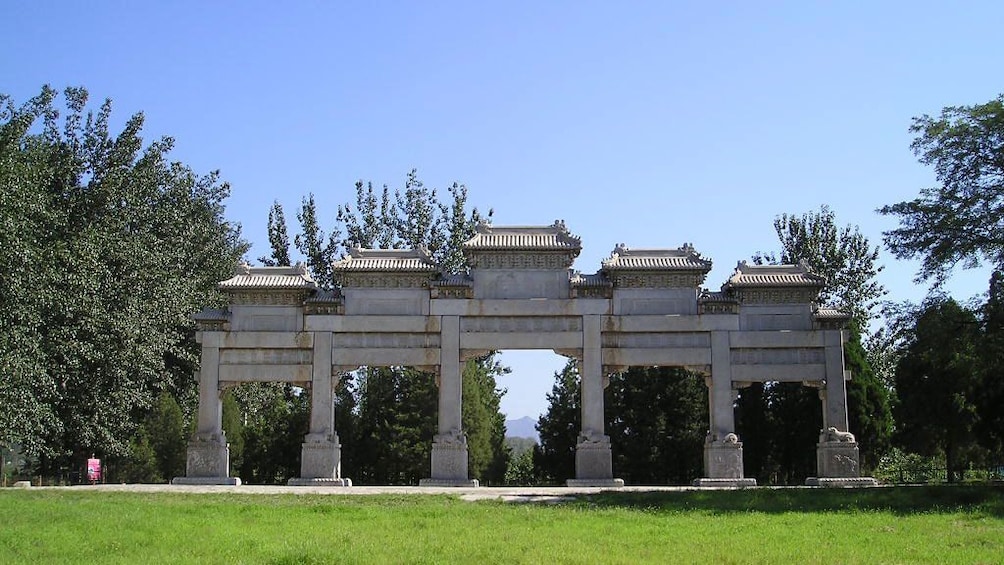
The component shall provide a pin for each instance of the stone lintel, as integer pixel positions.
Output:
(199, 481)
(319, 482)
(841, 482)
(602, 483)
(742, 482)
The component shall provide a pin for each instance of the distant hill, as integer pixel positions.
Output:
(522, 427)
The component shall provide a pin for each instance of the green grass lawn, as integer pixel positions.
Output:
(882, 525)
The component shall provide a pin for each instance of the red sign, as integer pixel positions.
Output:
(94, 470)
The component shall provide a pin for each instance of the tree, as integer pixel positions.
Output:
(842, 255)
(848, 261)
(937, 383)
(990, 427)
(386, 416)
(657, 424)
(559, 427)
(962, 219)
(278, 237)
(110, 248)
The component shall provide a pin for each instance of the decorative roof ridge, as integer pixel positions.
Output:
(831, 314)
(683, 258)
(765, 276)
(211, 314)
(483, 231)
(248, 278)
(454, 279)
(420, 252)
(577, 279)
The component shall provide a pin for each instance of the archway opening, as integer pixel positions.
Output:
(779, 423)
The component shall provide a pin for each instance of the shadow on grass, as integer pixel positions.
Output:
(899, 500)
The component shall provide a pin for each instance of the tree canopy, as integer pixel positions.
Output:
(108, 248)
(962, 219)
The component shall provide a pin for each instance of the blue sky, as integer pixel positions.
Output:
(648, 123)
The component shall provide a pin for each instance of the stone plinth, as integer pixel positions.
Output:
(320, 463)
(594, 463)
(208, 462)
(723, 463)
(837, 459)
(837, 463)
(449, 462)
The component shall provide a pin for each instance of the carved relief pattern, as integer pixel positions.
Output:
(781, 356)
(656, 340)
(523, 260)
(718, 308)
(384, 340)
(265, 357)
(452, 292)
(658, 280)
(521, 324)
(592, 292)
(778, 296)
(384, 280)
(268, 298)
(324, 308)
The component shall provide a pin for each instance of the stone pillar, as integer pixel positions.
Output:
(723, 452)
(208, 451)
(449, 447)
(320, 461)
(837, 457)
(593, 458)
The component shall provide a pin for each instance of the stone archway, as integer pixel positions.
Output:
(644, 307)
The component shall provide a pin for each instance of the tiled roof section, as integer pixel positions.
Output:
(386, 261)
(269, 278)
(831, 314)
(684, 258)
(325, 297)
(774, 276)
(212, 315)
(723, 297)
(596, 280)
(555, 237)
(460, 280)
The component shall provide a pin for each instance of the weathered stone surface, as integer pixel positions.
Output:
(644, 307)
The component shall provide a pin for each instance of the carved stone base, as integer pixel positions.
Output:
(594, 460)
(208, 457)
(725, 483)
(449, 458)
(200, 481)
(607, 483)
(321, 459)
(842, 482)
(724, 460)
(837, 459)
(318, 482)
(448, 483)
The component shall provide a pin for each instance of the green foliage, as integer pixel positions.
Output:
(657, 425)
(520, 471)
(778, 422)
(962, 219)
(897, 466)
(868, 409)
(386, 417)
(842, 255)
(276, 419)
(108, 249)
(559, 428)
(937, 383)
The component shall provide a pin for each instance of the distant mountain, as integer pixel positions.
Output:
(522, 427)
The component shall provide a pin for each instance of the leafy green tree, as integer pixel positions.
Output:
(991, 422)
(278, 237)
(962, 219)
(559, 427)
(658, 418)
(937, 380)
(848, 261)
(168, 437)
(110, 247)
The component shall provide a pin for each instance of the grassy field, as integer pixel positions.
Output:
(884, 525)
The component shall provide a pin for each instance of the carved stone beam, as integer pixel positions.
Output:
(468, 354)
(570, 353)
